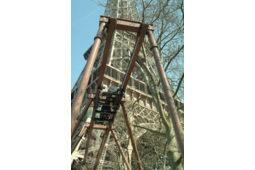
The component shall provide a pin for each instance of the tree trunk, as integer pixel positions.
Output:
(173, 152)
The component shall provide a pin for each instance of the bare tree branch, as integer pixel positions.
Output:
(152, 131)
(171, 60)
(179, 84)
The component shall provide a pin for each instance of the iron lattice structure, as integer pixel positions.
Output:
(139, 103)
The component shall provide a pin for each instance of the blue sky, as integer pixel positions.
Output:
(84, 25)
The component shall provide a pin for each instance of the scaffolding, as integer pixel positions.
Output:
(108, 25)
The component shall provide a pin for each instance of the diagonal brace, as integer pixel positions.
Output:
(102, 146)
(81, 118)
(134, 56)
(131, 136)
(121, 151)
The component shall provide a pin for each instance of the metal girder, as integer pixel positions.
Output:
(85, 78)
(88, 140)
(126, 25)
(141, 29)
(81, 118)
(167, 93)
(79, 138)
(83, 132)
(102, 146)
(131, 136)
(100, 127)
(121, 151)
(110, 32)
(134, 56)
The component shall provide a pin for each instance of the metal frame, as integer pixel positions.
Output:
(111, 24)
(167, 92)
(121, 151)
(86, 74)
(81, 118)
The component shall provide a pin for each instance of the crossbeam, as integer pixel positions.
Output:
(99, 127)
(102, 146)
(126, 25)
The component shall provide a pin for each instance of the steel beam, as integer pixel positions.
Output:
(92, 123)
(88, 140)
(79, 138)
(126, 25)
(81, 118)
(110, 31)
(131, 136)
(142, 29)
(86, 74)
(135, 53)
(168, 96)
(121, 151)
(102, 146)
(109, 38)
(99, 127)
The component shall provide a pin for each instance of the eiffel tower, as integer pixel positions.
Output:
(139, 103)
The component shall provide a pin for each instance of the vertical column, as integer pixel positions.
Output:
(168, 96)
(131, 136)
(87, 71)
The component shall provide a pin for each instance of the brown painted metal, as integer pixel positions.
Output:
(110, 31)
(88, 139)
(79, 138)
(131, 63)
(131, 136)
(102, 146)
(109, 38)
(121, 151)
(81, 117)
(168, 96)
(99, 127)
(86, 74)
(126, 25)
(132, 26)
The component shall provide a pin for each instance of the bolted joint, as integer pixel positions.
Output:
(139, 31)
